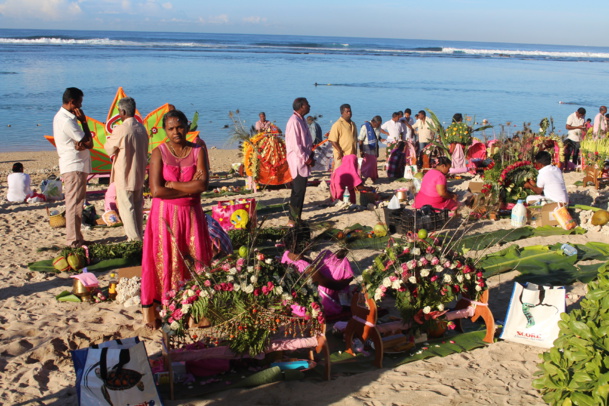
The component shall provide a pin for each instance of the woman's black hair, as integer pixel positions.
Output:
(175, 114)
(18, 167)
(442, 160)
(457, 118)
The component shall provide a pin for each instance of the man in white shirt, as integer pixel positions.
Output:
(395, 128)
(600, 123)
(550, 181)
(129, 145)
(576, 124)
(424, 133)
(73, 144)
(408, 121)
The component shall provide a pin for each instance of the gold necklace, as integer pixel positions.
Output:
(185, 151)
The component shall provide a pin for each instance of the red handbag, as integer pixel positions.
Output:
(235, 214)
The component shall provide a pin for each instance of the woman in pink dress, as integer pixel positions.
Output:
(433, 188)
(176, 227)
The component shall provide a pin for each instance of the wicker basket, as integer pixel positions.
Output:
(56, 220)
(402, 221)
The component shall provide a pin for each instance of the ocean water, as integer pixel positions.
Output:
(216, 73)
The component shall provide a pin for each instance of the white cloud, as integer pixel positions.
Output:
(167, 6)
(254, 20)
(44, 9)
(219, 19)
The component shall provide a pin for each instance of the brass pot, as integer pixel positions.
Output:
(402, 194)
(79, 289)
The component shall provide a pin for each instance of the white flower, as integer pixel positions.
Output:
(416, 251)
(268, 261)
(204, 293)
(447, 279)
(386, 282)
(236, 287)
(424, 272)
(174, 325)
(254, 279)
(426, 309)
(230, 278)
(286, 296)
(190, 292)
(396, 284)
(439, 268)
(250, 269)
(468, 276)
(412, 279)
(232, 271)
(249, 289)
(460, 278)
(440, 307)
(314, 313)
(278, 290)
(186, 308)
(378, 295)
(478, 288)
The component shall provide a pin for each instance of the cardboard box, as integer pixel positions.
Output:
(130, 272)
(542, 215)
(475, 188)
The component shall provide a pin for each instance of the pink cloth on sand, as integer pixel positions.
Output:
(369, 167)
(110, 198)
(429, 195)
(87, 279)
(345, 177)
(331, 267)
(458, 160)
(175, 228)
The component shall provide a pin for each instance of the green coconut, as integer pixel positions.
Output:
(600, 218)
(61, 264)
(75, 261)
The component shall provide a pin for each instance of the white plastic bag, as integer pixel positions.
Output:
(51, 188)
(115, 373)
(533, 314)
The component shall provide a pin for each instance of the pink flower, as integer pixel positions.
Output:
(406, 250)
(170, 320)
(315, 306)
(434, 278)
(383, 289)
(265, 290)
(430, 250)
(257, 292)
(241, 262)
(218, 287)
(435, 261)
(172, 307)
(207, 283)
(447, 264)
(481, 284)
(467, 269)
(260, 257)
(424, 261)
(479, 274)
(393, 278)
(177, 315)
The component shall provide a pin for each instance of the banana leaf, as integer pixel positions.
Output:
(588, 273)
(101, 266)
(484, 240)
(551, 230)
(539, 260)
(594, 250)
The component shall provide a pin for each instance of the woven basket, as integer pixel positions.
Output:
(56, 220)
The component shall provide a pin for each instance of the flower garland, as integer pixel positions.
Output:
(559, 147)
(424, 275)
(513, 178)
(245, 304)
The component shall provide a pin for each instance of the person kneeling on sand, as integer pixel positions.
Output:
(550, 181)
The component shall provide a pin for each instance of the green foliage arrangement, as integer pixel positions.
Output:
(101, 252)
(576, 370)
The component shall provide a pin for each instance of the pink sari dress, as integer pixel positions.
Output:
(176, 228)
(429, 194)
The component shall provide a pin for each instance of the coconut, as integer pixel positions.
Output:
(600, 218)
(61, 264)
(380, 230)
(75, 261)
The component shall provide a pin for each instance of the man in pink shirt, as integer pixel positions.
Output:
(299, 155)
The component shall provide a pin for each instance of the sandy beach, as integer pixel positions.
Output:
(37, 332)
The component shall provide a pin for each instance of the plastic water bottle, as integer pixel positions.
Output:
(568, 250)
(519, 214)
(347, 196)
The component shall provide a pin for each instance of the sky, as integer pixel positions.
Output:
(517, 21)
